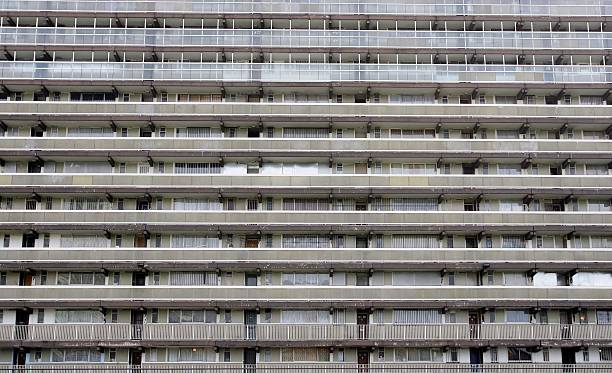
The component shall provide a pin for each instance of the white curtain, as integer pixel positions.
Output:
(192, 316)
(189, 354)
(592, 279)
(192, 241)
(421, 241)
(90, 132)
(87, 167)
(76, 355)
(196, 204)
(416, 279)
(193, 278)
(69, 240)
(305, 241)
(78, 316)
(315, 279)
(305, 354)
(305, 317)
(417, 316)
(513, 241)
(403, 355)
(87, 203)
(516, 279)
(305, 204)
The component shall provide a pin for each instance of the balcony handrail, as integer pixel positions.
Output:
(304, 38)
(303, 332)
(302, 72)
(419, 7)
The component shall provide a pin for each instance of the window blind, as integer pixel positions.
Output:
(193, 279)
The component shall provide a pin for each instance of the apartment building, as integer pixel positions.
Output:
(306, 186)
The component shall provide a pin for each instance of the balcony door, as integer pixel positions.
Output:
(250, 323)
(363, 360)
(135, 357)
(22, 320)
(363, 320)
(474, 320)
(137, 322)
(19, 357)
(249, 360)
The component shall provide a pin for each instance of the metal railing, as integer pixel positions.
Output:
(311, 367)
(296, 38)
(415, 7)
(303, 332)
(304, 72)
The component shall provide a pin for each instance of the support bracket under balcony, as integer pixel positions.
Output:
(41, 125)
(8, 55)
(522, 93)
(36, 197)
(524, 128)
(526, 163)
(111, 161)
(3, 126)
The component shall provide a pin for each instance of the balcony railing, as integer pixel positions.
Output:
(310, 367)
(304, 72)
(304, 332)
(417, 7)
(282, 38)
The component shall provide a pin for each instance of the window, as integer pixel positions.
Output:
(192, 316)
(403, 355)
(416, 279)
(81, 278)
(193, 278)
(316, 279)
(604, 316)
(304, 354)
(305, 241)
(305, 317)
(197, 168)
(605, 353)
(76, 355)
(517, 354)
(7, 240)
(79, 317)
(513, 241)
(252, 205)
(362, 279)
(188, 354)
(494, 355)
(116, 278)
(417, 316)
(518, 316)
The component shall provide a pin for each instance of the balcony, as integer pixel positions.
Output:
(288, 73)
(391, 183)
(346, 334)
(306, 221)
(304, 296)
(308, 258)
(383, 148)
(282, 39)
(301, 8)
(201, 112)
(310, 367)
